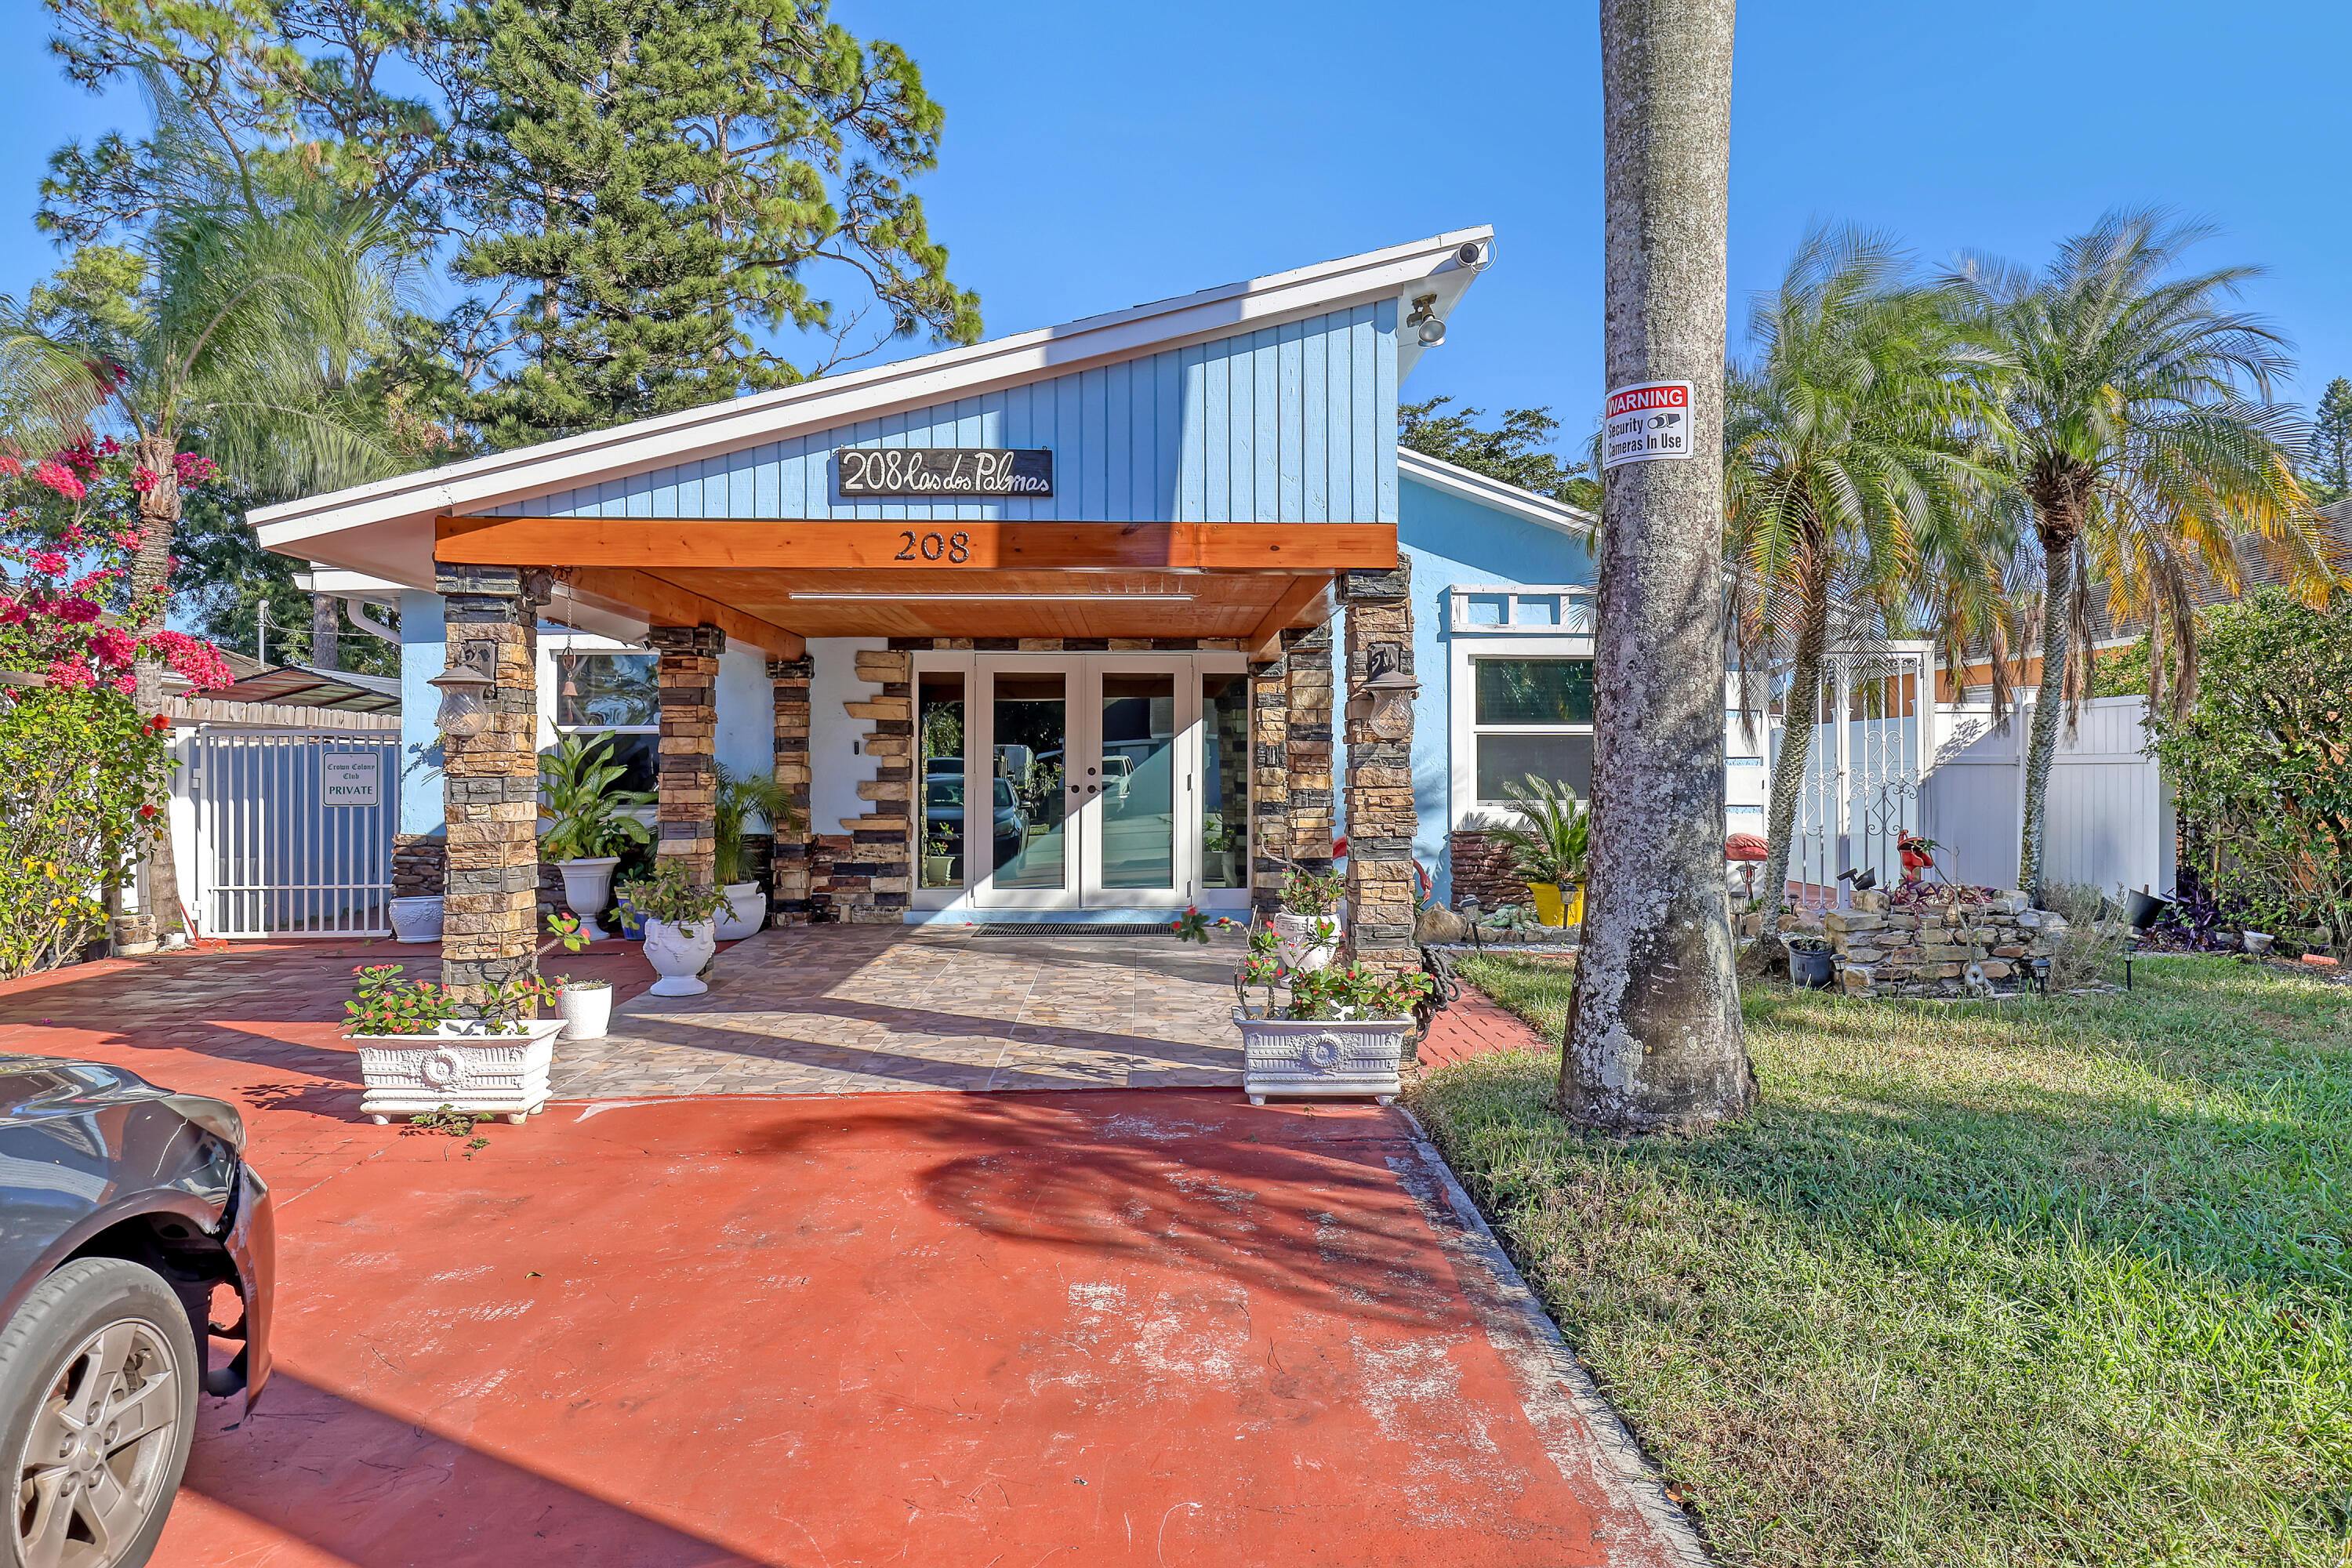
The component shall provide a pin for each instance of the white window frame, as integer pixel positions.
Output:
(1467, 810)
(552, 733)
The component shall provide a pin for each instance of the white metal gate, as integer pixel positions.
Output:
(293, 833)
(1861, 788)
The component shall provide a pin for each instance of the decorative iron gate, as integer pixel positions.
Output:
(1861, 789)
(293, 833)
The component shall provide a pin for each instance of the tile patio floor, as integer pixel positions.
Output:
(857, 1009)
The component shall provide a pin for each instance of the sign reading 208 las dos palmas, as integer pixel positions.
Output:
(1646, 422)
(943, 473)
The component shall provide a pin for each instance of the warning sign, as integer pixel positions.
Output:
(1646, 422)
(352, 778)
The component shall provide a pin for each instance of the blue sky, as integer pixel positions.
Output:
(1098, 155)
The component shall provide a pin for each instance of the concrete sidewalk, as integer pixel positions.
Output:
(1152, 1327)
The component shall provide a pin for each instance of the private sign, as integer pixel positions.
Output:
(1645, 423)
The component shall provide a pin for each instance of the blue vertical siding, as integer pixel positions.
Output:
(1290, 424)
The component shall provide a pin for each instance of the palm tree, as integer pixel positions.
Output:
(242, 335)
(1854, 476)
(2147, 449)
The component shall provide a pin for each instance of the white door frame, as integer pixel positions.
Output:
(1081, 887)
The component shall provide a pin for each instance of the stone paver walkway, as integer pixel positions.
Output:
(856, 1009)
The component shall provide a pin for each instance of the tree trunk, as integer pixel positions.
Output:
(1655, 1041)
(2042, 740)
(326, 632)
(151, 586)
(1800, 718)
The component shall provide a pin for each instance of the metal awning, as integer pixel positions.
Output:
(303, 686)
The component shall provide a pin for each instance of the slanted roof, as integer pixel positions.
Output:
(308, 686)
(387, 528)
(1471, 486)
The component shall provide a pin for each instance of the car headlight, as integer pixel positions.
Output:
(218, 1117)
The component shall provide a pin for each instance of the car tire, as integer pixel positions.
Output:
(73, 1349)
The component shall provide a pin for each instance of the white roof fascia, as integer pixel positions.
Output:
(1456, 480)
(481, 483)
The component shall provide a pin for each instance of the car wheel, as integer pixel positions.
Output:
(98, 1406)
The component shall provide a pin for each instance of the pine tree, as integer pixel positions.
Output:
(2332, 439)
(651, 180)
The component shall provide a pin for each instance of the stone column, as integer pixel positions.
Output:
(1382, 819)
(1313, 814)
(687, 773)
(788, 893)
(489, 786)
(1270, 782)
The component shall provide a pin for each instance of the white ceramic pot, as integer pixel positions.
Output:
(1323, 1056)
(459, 1066)
(1296, 935)
(587, 1011)
(416, 919)
(588, 885)
(747, 910)
(677, 954)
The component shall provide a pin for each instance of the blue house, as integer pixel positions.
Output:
(1094, 622)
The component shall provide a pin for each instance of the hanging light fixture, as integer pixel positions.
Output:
(463, 690)
(1384, 701)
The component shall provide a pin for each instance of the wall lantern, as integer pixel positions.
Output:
(463, 688)
(1384, 701)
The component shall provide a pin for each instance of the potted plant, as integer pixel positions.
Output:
(1810, 963)
(939, 857)
(1219, 851)
(1307, 925)
(416, 918)
(419, 1053)
(590, 820)
(1548, 846)
(741, 797)
(680, 922)
(1337, 1031)
(585, 1005)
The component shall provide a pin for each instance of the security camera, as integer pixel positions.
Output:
(1475, 254)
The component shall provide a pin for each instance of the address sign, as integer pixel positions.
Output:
(941, 473)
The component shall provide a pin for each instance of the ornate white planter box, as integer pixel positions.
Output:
(1323, 1056)
(411, 1075)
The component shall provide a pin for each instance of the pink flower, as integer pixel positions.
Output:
(191, 468)
(12, 613)
(81, 611)
(70, 676)
(144, 478)
(107, 446)
(55, 475)
(47, 562)
(9, 467)
(128, 685)
(113, 645)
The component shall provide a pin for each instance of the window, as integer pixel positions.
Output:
(1531, 715)
(618, 694)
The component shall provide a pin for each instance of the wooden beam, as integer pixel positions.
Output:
(830, 544)
(665, 603)
(1265, 638)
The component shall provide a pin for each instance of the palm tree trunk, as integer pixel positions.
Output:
(2042, 740)
(1801, 715)
(1655, 1041)
(150, 584)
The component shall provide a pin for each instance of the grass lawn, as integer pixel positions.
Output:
(2067, 1282)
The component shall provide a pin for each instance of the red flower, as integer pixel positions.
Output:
(9, 467)
(57, 479)
(143, 478)
(48, 561)
(146, 813)
(70, 676)
(81, 611)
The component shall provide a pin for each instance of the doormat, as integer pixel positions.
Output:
(1073, 928)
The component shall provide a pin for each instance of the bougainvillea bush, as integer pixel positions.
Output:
(84, 779)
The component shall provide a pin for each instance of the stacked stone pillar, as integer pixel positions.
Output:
(489, 787)
(1314, 806)
(1270, 782)
(687, 775)
(789, 892)
(1382, 819)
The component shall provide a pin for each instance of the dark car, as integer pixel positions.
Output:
(122, 1207)
(943, 810)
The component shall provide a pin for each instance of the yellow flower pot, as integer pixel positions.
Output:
(1549, 909)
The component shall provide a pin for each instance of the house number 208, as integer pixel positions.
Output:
(954, 547)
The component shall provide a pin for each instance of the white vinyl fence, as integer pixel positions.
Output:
(1863, 772)
(290, 834)
(2110, 815)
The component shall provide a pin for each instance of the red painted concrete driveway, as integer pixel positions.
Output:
(1140, 1327)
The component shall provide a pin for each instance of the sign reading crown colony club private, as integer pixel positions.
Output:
(1645, 422)
(941, 473)
(351, 778)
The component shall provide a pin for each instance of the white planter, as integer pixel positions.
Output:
(1296, 936)
(679, 953)
(588, 886)
(504, 1075)
(587, 1011)
(416, 919)
(747, 910)
(1320, 1058)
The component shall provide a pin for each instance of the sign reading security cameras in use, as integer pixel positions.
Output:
(1646, 422)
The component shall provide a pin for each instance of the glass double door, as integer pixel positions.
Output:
(1075, 782)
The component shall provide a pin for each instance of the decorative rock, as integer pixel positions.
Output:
(1994, 969)
(1839, 921)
